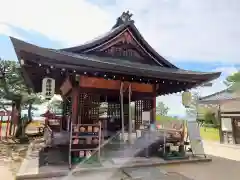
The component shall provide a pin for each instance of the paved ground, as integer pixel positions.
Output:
(6, 174)
(97, 176)
(225, 164)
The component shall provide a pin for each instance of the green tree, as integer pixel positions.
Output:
(55, 106)
(14, 90)
(233, 81)
(210, 118)
(161, 109)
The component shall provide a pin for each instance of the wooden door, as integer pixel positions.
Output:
(236, 130)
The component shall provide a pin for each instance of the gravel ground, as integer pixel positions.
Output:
(11, 156)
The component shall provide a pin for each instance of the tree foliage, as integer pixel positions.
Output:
(14, 91)
(233, 81)
(161, 109)
(55, 106)
(210, 118)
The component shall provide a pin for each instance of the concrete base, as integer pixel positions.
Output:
(61, 171)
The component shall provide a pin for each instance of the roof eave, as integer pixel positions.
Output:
(16, 47)
(60, 57)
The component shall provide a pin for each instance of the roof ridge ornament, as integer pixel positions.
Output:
(123, 19)
(126, 16)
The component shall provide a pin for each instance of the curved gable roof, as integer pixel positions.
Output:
(219, 97)
(117, 29)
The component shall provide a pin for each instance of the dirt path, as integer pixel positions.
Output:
(225, 164)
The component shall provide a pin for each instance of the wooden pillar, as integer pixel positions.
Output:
(75, 94)
(122, 111)
(64, 118)
(153, 120)
(220, 124)
(153, 110)
(129, 115)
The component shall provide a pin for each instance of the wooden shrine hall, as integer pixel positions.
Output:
(118, 68)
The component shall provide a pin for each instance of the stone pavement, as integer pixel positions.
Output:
(225, 164)
(6, 174)
(231, 152)
(107, 175)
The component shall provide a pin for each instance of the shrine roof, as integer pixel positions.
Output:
(60, 58)
(136, 59)
(219, 97)
(123, 24)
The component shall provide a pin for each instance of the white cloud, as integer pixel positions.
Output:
(191, 29)
(4, 29)
(71, 21)
(180, 29)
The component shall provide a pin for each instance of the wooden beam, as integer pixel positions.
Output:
(101, 83)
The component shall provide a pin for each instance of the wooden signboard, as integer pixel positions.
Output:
(100, 83)
(137, 87)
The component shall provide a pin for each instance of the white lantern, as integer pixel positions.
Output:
(48, 87)
(186, 98)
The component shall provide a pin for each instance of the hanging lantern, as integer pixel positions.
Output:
(186, 98)
(22, 62)
(48, 87)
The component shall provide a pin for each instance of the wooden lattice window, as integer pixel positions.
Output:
(89, 105)
(138, 113)
(114, 113)
(140, 106)
(147, 105)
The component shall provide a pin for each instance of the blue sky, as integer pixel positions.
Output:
(194, 35)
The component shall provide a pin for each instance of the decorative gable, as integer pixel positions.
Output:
(124, 40)
(124, 45)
